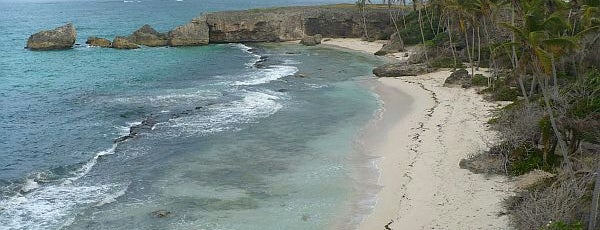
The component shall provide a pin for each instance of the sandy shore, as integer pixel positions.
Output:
(354, 44)
(422, 185)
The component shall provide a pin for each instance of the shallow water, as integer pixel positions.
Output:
(233, 147)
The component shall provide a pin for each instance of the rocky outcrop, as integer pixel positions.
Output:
(100, 42)
(292, 23)
(393, 45)
(191, 34)
(400, 69)
(161, 214)
(146, 125)
(257, 25)
(123, 43)
(62, 37)
(460, 77)
(148, 36)
(311, 40)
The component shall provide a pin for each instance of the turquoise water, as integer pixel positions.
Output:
(229, 145)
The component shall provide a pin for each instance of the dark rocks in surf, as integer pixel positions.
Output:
(399, 69)
(62, 37)
(300, 75)
(261, 63)
(146, 125)
(148, 36)
(123, 43)
(161, 213)
(99, 42)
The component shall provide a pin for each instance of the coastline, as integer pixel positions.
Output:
(418, 154)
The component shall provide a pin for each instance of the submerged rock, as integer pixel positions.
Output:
(161, 213)
(311, 40)
(460, 77)
(191, 34)
(62, 37)
(148, 36)
(100, 42)
(394, 45)
(400, 69)
(146, 125)
(123, 43)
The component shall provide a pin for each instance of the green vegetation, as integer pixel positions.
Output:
(543, 55)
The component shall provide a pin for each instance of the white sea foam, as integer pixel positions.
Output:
(47, 207)
(266, 75)
(253, 106)
(291, 62)
(110, 198)
(85, 169)
(167, 98)
(247, 49)
(30, 184)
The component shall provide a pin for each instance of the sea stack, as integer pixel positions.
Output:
(62, 37)
(100, 42)
(123, 43)
(148, 36)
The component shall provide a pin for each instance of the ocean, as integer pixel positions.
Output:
(221, 142)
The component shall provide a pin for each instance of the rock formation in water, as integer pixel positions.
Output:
(192, 34)
(100, 42)
(62, 37)
(257, 25)
(123, 43)
(148, 36)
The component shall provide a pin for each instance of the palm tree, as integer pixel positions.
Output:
(541, 44)
(393, 17)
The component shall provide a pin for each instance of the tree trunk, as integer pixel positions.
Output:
(533, 84)
(397, 29)
(423, 36)
(559, 138)
(449, 29)
(492, 62)
(468, 49)
(403, 17)
(429, 18)
(478, 49)
(514, 55)
(594, 206)
(364, 18)
(554, 78)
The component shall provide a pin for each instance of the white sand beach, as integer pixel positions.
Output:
(422, 185)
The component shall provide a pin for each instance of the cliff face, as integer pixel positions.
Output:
(191, 34)
(283, 24)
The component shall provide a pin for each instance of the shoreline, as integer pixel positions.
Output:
(420, 182)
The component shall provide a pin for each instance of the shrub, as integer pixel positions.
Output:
(527, 158)
(553, 206)
(505, 93)
(479, 80)
(446, 62)
(564, 226)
